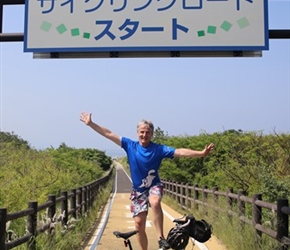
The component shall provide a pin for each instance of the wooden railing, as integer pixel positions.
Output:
(199, 198)
(73, 205)
(77, 202)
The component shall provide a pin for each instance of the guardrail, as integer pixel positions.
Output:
(193, 196)
(73, 205)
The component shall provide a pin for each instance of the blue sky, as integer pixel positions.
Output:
(41, 99)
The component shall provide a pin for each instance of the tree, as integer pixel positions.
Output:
(159, 135)
(6, 137)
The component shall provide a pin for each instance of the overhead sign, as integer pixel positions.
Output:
(145, 25)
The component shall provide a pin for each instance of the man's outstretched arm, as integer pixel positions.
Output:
(185, 152)
(87, 119)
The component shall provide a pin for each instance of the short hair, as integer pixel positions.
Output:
(145, 122)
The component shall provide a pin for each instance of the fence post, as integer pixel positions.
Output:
(85, 198)
(182, 198)
(32, 225)
(74, 203)
(188, 196)
(80, 201)
(204, 199)
(230, 202)
(215, 199)
(241, 204)
(3, 219)
(204, 194)
(171, 190)
(96, 189)
(196, 194)
(165, 183)
(93, 187)
(64, 208)
(282, 221)
(229, 199)
(178, 192)
(174, 190)
(89, 195)
(257, 215)
(52, 209)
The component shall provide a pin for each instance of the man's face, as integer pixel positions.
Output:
(144, 134)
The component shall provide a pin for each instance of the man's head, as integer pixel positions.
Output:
(145, 130)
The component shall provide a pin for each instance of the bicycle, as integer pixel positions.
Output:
(178, 236)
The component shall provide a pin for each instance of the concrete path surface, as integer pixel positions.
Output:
(117, 217)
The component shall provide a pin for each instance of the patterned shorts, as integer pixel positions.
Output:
(140, 202)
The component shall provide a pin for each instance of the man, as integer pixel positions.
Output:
(144, 159)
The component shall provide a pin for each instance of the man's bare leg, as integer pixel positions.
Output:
(140, 225)
(155, 203)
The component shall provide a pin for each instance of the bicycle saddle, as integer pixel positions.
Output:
(125, 236)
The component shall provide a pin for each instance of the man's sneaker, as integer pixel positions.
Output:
(163, 244)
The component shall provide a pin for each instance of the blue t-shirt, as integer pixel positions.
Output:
(144, 162)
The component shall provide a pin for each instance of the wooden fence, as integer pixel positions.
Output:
(80, 201)
(198, 197)
(201, 198)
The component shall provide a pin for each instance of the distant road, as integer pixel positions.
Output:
(123, 182)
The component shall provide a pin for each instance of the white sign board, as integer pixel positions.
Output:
(145, 25)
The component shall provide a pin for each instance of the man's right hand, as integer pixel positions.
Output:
(86, 118)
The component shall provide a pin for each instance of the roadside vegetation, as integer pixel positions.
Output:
(27, 174)
(250, 161)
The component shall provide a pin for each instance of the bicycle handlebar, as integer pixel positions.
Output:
(181, 222)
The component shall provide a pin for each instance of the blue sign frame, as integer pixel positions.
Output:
(133, 25)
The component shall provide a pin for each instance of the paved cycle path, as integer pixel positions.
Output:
(117, 217)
